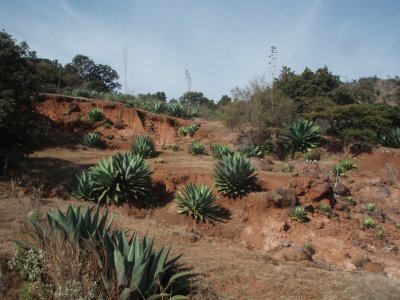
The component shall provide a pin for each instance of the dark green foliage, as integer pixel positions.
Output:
(298, 213)
(301, 136)
(92, 140)
(391, 139)
(95, 115)
(128, 268)
(312, 156)
(218, 151)
(144, 146)
(188, 130)
(199, 202)
(119, 178)
(18, 94)
(123, 177)
(176, 110)
(83, 187)
(234, 176)
(196, 148)
(158, 107)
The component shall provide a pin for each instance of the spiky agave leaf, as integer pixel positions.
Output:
(122, 177)
(218, 151)
(144, 146)
(301, 136)
(392, 138)
(83, 187)
(92, 140)
(95, 115)
(234, 176)
(298, 213)
(199, 202)
(196, 148)
(257, 150)
(176, 110)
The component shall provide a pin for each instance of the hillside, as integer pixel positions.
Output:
(257, 251)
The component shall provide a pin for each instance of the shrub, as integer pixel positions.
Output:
(96, 115)
(350, 199)
(391, 139)
(298, 213)
(234, 176)
(338, 170)
(92, 140)
(188, 130)
(101, 263)
(199, 202)
(370, 207)
(144, 146)
(301, 136)
(287, 167)
(312, 156)
(218, 151)
(380, 233)
(326, 209)
(368, 223)
(123, 177)
(347, 164)
(196, 148)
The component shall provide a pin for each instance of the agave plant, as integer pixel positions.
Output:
(142, 273)
(368, 223)
(298, 213)
(301, 136)
(338, 170)
(218, 151)
(347, 164)
(129, 269)
(96, 115)
(257, 150)
(122, 177)
(188, 130)
(199, 202)
(92, 140)
(144, 146)
(83, 187)
(392, 138)
(157, 107)
(176, 110)
(234, 176)
(196, 148)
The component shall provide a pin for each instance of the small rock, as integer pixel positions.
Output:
(284, 227)
(119, 125)
(341, 206)
(340, 189)
(377, 214)
(282, 197)
(371, 267)
(320, 191)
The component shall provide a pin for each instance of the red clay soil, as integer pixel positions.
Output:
(257, 252)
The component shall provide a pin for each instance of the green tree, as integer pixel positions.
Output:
(196, 99)
(18, 92)
(225, 99)
(95, 77)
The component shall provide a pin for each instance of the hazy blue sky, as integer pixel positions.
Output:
(224, 43)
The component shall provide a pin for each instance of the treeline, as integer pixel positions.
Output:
(352, 112)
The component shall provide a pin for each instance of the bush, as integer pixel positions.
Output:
(119, 178)
(92, 140)
(196, 148)
(95, 115)
(218, 151)
(287, 168)
(188, 130)
(144, 146)
(199, 202)
(234, 176)
(391, 139)
(301, 136)
(312, 156)
(101, 263)
(298, 213)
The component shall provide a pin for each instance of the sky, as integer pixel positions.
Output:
(223, 43)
